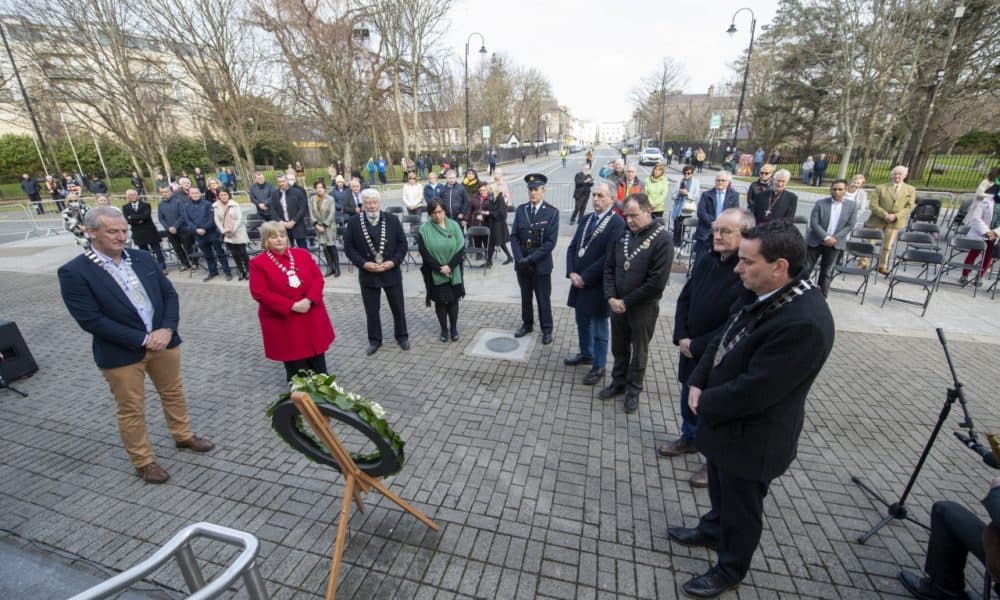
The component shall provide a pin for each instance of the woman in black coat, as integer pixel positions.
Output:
(494, 213)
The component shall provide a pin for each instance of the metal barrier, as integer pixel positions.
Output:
(179, 548)
(17, 221)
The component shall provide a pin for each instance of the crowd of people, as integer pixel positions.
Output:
(751, 328)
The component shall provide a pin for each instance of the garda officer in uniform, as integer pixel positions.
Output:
(533, 237)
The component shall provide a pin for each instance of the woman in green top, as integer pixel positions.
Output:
(657, 187)
(442, 247)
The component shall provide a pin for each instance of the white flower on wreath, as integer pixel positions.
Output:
(377, 410)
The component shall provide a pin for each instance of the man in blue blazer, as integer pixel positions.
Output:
(710, 206)
(131, 309)
(532, 239)
(830, 223)
(594, 239)
(199, 218)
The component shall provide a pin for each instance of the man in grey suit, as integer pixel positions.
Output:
(831, 221)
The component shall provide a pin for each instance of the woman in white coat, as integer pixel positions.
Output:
(229, 220)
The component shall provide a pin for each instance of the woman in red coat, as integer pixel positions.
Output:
(288, 285)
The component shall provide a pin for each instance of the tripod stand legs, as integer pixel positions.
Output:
(896, 511)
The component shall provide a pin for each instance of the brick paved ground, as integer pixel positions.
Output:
(541, 489)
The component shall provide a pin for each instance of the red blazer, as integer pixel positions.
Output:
(289, 335)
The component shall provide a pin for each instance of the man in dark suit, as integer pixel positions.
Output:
(830, 223)
(819, 169)
(595, 238)
(711, 204)
(375, 243)
(635, 274)
(129, 306)
(776, 202)
(290, 206)
(455, 198)
(145, 235)
(701, 313)
(532, 239)
(748, 392)
(955, 532)
(30, 188)
(199, 217)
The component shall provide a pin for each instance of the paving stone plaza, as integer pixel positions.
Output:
(540, 488)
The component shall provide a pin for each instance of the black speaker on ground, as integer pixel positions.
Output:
(15, 358)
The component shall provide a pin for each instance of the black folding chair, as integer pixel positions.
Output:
(929, 228)
(861, 259)
(929, 264)
(474, 234)
(690, 224)
(958, 249)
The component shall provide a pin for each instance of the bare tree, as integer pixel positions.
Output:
(650, 94)
(220, 58)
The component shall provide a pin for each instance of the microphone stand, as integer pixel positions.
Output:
(897, 510)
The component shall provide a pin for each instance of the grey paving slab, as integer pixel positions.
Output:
(540, 488)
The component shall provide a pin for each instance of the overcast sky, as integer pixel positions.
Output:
(595, 52)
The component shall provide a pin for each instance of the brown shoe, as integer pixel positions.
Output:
(152, 473)
(700, 479)
(676, 448)
(883, 271)
(196, 444)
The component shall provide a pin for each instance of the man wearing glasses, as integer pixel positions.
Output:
(533, 238)
(634, 277)
(701, 313)
(760, 190)
(595, 238)
(710, 206)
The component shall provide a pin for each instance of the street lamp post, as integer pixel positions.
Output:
(746, 71)
(482, 50)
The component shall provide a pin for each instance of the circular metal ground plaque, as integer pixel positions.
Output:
(502, 344)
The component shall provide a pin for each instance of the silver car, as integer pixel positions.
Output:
(651, 156)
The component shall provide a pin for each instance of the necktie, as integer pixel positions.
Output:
(895, 189)
(532, 211)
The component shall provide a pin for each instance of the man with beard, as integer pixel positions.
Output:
(748, 392)
(635, 274)
(375, 243)
(702, 310)
(594, 240)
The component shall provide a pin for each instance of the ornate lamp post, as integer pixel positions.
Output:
(746, 71)
(482, 50)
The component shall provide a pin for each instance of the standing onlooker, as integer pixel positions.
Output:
(819, 170)
(433, 188)
(170, 214)
(442, 247)
(891, 204)
(199, 217)
(699, 159)
(617, 173)
(30, 188)
(777, 202)
(582, 183)
(492, 161)
(97, 185)
(657, 187)
(701, 312)
(807, 169)
(634, 277)
(139, 216)
(628, 185)
(749, 392)
(758, 160)
(687, 194)
(229, 220)
(710, 206)
(759, 192)
(56, 192)
(370, 167)
(132, 310)
(856, 192)
(323, 212)
(290, 206)
(495, 217)
(261, 192)
(375, 243)
(589, 249)
(213, 190)
(413, 194)
(830, 224)
(232, 181)
(455, 198)
(471, 182)
(380, 166)
(199, 180)
(342, 196)
(288, 288)
(73, 216)
(533, 238)
(138, 184)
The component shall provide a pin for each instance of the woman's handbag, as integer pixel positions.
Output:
(689, 208)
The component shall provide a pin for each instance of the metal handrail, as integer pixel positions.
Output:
(179, 547)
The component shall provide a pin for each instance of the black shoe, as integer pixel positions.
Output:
(372, 348)
(631, 402)
(454, 336)
(924, 588)
(508, 261)
(444, 336)
(709, 585)
(610, 392)
(404, 344)
(593, 376)
(546, 338)
(522, 331)
(229, 277)
(691, 536)
(578, 359)
(210, 278)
